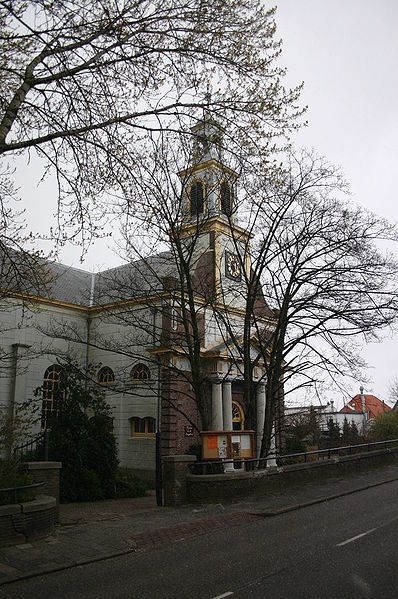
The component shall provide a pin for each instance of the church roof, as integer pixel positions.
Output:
(24, 273)
(373, 405)
(135, 279)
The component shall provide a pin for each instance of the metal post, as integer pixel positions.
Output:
(158, 449)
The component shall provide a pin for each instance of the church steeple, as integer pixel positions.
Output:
(220, 256)
(209, 184)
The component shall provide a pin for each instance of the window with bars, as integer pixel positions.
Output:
(142, 427)
(52, 394)
(140, 372)
(106, 375)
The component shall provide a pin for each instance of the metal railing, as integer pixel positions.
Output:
(38, 445)
(217, 466)
(22, 488)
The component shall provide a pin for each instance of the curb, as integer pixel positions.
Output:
(85, 562)
(297, 506)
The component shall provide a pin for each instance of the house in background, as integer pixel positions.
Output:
(360, 410)
(364, 406)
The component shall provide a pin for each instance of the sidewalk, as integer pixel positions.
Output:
(92, 531)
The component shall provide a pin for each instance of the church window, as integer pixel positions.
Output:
(238, 417)
(174, 318)
(142, 427)
(52, 394)
(197, 198)
(140, 372)
(106, 375)
(226, 199)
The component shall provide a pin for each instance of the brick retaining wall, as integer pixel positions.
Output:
(22, 522)
(221, 487)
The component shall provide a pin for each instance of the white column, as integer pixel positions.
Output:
(227, 405)
(260, 399)
(216, 407)
(227, 412)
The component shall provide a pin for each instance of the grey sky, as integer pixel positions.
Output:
(346, 53)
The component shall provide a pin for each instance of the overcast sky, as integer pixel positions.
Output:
(346, 53)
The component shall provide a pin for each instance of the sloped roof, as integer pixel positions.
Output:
(135, 279)
(373, 405)
(24, 273)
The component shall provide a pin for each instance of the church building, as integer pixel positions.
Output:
(135, 324)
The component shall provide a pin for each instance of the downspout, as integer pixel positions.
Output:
(12, 398)
(88, 336)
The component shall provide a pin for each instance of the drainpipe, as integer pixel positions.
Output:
(13, 393)
(363, 406)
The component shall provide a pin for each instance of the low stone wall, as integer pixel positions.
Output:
(223, 487)
(23, 522)
(47, 472)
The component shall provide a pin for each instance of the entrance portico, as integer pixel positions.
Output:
(222, 408)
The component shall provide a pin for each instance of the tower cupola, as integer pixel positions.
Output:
(209, 185)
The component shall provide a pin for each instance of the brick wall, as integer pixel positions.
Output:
(27, 521)
(47, 472)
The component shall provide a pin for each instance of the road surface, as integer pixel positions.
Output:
(345, 548)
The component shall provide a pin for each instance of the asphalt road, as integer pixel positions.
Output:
(345, 548)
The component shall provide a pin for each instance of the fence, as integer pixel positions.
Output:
(37, 445)
(11, 493)
(217, 466)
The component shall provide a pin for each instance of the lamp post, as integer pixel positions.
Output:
(158, 439)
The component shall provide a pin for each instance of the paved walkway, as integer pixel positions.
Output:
(93, 531)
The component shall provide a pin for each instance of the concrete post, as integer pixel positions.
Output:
(216, 407)
(47, 472)
(271, 461)
(260, 399)
(175, 470)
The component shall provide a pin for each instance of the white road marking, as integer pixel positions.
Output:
(227, 594)
(356, 537)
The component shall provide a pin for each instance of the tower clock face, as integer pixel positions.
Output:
(232, 266)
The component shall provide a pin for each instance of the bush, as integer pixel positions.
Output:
(128, 485)
(385, 426)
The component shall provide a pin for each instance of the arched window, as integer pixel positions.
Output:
(197, 198)
(226, 199)
(106, 375)
(238, 417)
(142, 427)
(52, 394)
(140, 372)
(174, 318)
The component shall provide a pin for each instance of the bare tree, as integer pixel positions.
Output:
(82, 84)
(322, 265)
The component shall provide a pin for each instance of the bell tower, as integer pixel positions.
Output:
(209, 184)
(210, 213)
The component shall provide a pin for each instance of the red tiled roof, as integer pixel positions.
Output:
(373, 406)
